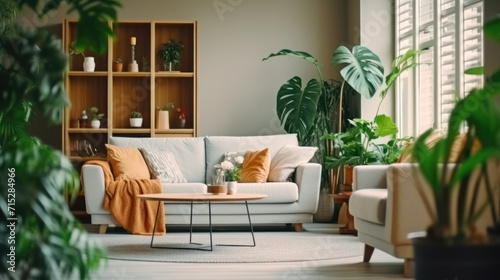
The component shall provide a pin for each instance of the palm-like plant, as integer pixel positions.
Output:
(170, 53)
(49, 242)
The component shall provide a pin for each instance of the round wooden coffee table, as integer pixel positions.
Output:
(201, 198)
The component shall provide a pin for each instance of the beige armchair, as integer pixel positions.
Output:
(386, 206)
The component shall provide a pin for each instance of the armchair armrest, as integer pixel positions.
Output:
(308, 179)
(94, 187)
(370, 177)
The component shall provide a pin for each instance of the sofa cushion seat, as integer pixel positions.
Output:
(184, 188)
(369, 205)
(282, 192)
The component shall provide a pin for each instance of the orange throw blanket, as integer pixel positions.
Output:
(135, 215)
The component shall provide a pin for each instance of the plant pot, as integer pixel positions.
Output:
(324, 214)
(88, 64)
(136, 122)
(232, 187)
(162, 121)
(437, 261)
(95, 123)
(347, 182)
(118, 67)
(181, 123)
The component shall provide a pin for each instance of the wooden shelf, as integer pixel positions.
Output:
(174, 131)
(87, 130)
(82, 159)
(131, 74)
(167, 74)
(118, 94)
(87, 74)
(131, 130)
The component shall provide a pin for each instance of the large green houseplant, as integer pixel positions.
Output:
(455, 205)
(39, 237)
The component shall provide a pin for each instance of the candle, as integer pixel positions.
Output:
(132, 41)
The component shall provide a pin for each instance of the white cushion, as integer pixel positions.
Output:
(216, 146)
(369, 205)
(163, 166)
(287, 160)
(189, 153)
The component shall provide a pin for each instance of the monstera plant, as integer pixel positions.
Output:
(39, 236)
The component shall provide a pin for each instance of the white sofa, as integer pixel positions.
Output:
(287, 202)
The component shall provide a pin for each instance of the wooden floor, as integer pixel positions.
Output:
(382, 266)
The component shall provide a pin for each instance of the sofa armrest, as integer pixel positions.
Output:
(308, 179)
(369, 177)
(93, 184)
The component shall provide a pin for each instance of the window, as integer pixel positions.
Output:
(449, 32)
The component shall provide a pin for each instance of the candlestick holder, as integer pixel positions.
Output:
(133, 66)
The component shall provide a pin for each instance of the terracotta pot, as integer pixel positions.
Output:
(162, 120)
(118, 67)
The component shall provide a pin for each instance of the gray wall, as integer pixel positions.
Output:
(237, 91)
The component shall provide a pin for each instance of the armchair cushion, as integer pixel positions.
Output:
(369, 205)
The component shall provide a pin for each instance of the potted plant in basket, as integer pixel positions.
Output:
(136, 119)
(118, 65)
(455, 246)
(96, 117)
(170, 53)
(162, 118)
(230, 169)
(181, 119)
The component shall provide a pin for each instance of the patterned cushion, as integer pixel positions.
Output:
(287, 160)
(256, 166)
(163, 166)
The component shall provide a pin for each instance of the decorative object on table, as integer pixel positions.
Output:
(133, 66)
(218, 186)
(84, 120)
(118, 65)
(162, 119)
(230, 170)
(96, 117)
(88, 61)
(462, 192)
(136, 119)
(170, 53)
(181, 118)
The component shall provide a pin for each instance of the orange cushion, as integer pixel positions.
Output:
(127, 163)
(255, 167)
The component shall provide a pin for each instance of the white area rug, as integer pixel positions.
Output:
(271, 247)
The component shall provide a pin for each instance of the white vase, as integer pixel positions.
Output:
(88, 64)
(232, 187)
(95, 123)
(135, 122)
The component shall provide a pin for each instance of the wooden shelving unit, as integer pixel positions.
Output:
(117, 94)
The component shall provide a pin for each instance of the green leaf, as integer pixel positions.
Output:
(363, 70)
(492, 29)
(298, 54)
(296, 108)
(475, 71)
(385, 126)
(399, 65)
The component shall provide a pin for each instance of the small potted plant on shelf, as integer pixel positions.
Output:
(88, 61)
(96, 117)
(181, 119)
(162, 119)
(118, 65)
(170, 53)
(136, 119)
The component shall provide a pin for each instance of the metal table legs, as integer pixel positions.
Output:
(203, 248)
